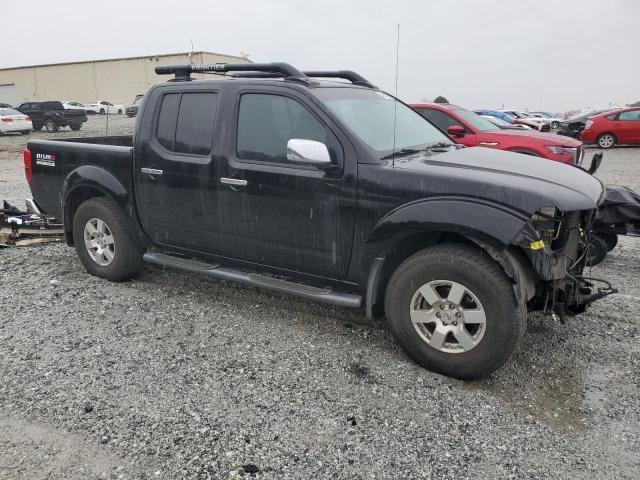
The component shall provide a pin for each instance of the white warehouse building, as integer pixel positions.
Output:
(116, 80)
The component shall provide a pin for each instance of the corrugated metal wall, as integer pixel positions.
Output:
(117, 81)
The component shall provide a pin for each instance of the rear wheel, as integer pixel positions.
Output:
(37, 127)
(75, 126)
(611, 239)
(555, 124)
(119, 112)
(103, 241)
(102, 111)
(606, 140)
(454, 311)
(51, 125)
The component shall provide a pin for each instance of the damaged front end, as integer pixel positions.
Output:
(557, 245)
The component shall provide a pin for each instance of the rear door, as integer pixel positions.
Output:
(628, 126)
(278, 213)
(176, 175)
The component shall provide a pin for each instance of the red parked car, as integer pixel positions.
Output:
(471, 130)
(618, 126)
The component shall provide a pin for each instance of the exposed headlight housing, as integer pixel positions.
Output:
(557, 149)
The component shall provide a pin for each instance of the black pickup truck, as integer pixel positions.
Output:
(53, 115)
(335, 191)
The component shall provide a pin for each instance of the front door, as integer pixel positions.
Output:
(282, 214)
(176, 176)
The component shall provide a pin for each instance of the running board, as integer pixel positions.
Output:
(325, 295)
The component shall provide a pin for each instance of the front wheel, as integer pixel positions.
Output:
(103, 241)
(119, 112)
(453, 310)
(606, 140)
(102, 111)
(555, 125)
(596, 251)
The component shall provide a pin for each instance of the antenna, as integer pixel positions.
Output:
(395, 101)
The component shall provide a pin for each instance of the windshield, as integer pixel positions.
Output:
(496, 121)
(475, 120)
(369, 114)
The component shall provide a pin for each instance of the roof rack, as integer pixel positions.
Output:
(261, 70)
(350, 75)
(183, 72)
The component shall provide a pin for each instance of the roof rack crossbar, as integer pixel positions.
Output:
(350, 75)
(183, 72)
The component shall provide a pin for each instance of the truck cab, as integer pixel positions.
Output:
(334, 191)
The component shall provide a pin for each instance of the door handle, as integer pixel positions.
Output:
(233, 181)
(154, 172)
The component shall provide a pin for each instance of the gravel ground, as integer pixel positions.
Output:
(175, 376)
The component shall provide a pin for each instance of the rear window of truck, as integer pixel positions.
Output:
(186, 120)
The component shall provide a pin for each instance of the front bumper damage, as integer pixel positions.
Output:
(557, 248)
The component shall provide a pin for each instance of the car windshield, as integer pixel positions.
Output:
(8, 111)
(371, 115)
(475, 120)
(496, 121)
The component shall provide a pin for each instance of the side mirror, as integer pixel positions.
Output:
(300, 150)
(456, 131)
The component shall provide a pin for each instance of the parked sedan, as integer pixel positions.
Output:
(102, 107)
(553, 121)
(498, 122)
(13, 121)
(471, 130)
(621, 126)
(132, 110)
(5, 105)
(524, 119)
(73, 106)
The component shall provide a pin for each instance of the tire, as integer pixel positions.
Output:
(597, 251)
(611, 239)
(25, 132)
(37, 127)
(125, 258)
(119, 112)
(606, 140)
(555, 125)
(75, 126)
(102, 111)
(487, 290)
(51, 125)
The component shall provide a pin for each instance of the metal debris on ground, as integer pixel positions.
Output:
(27, 227)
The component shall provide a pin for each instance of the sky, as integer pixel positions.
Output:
(553, 55)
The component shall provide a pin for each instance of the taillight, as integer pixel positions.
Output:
(7, 119)
(28, 172)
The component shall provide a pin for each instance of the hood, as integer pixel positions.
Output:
(518, 181)
(544, 138)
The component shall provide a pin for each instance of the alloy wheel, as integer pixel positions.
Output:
(98, 240)
(448, 316)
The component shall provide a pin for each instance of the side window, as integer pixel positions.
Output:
(629, 115)
(438, 118)
(267, 122)
(194, 131)
(186, 121)
(166, 129)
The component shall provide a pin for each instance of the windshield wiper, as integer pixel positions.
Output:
(432, 147)
(438, 145)
(401, 153)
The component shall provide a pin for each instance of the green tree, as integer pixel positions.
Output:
(440, 99)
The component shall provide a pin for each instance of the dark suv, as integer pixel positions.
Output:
(52, 115)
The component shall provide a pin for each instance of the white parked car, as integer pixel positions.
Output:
(73, 106)
(102, 107)
(13, 121)
(525, 119)
(554, 122)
